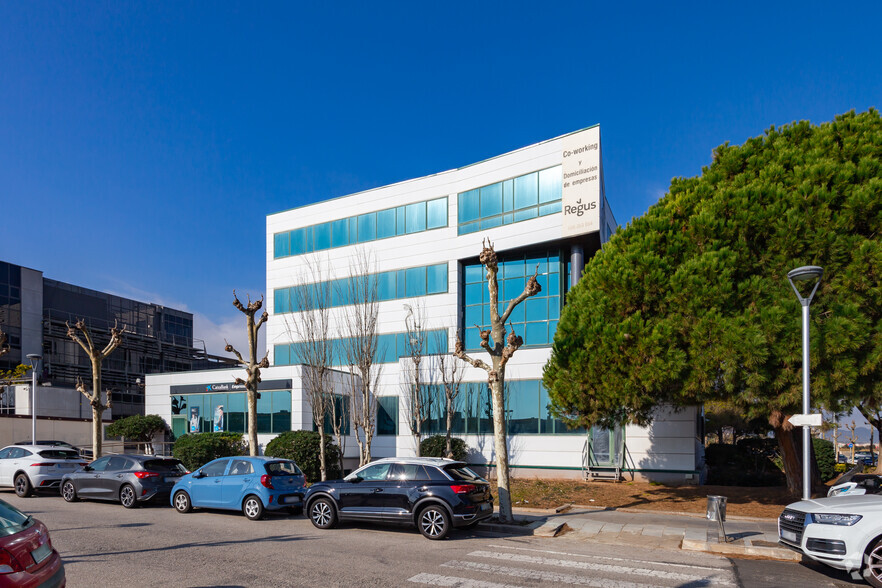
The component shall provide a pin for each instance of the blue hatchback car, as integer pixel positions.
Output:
(250, 484)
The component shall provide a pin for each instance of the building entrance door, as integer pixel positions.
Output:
(607, 446)
(179, 426)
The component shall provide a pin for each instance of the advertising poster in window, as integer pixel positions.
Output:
(582, 182)
(194, 419)
(219, 418)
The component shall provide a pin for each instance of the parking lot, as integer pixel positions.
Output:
(103, 544)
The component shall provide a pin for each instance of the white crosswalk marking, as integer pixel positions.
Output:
(438, 580)
(599, 567)
(543, 575)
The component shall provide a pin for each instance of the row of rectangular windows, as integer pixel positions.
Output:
(391, 222)
(527, 411)
(206, 413)
(391, 285)
(510, 201)
(390, 347)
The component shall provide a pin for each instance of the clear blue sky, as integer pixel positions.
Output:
(143, 144)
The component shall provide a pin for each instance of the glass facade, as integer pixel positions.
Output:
(534, 319)
(510, 201)
(228, 412)
(391, 222)
(391, 285)
(10, 314)
(528, 411)
(390, 347)
(387, 415)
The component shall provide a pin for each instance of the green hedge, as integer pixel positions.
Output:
(826, 458)
(303, 448)
(436, 446)
(197, 449)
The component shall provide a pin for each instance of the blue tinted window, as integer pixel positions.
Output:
(386, 286)
(387, 415)
(474, 315)
(399, 283)
(367, 227)
(523, 407)
(281, 245)
(265, 413)
(416, 281)
(322, 235)
(298, 242)
(508, 195)
(401, 220)
(340, 233)
(537, 308)
(282, 354)
(353, 230)
(437, 279)
(526, 191)
(536, 334)
(474, 273)
(386, 223)
(489, 223)
(469, 228)
(525, 214)
(549, 185)
(416, 217)
(436, 213)
(281, 300)
(547, 209)
(491, 200)
(281, 411)
(468, 206)
(474, 293)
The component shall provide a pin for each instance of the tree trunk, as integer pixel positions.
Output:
(322, 467)
(448, 450)
(789, 454)
(502, 481)
(97, 410)
(252, 422)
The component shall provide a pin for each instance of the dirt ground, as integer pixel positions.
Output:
(742, 501)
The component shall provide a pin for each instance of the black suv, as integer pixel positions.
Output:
(432, 493)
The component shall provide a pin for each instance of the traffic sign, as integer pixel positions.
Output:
(807, 420)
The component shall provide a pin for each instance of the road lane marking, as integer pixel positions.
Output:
(724, 565)
(439, 580)
(598, 567)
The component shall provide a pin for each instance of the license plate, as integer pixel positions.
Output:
(485, 506)
(171, 479)
(788, 536)
(292, 500)
(41, 553)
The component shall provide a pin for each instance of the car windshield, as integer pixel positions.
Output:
(462, 473)
(12, 520)
(282, 468)
(165, 466)
(59, 454)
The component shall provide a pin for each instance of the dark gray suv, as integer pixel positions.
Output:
(432, 493)
(127, 478)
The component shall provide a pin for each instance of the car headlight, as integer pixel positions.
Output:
(844, 520)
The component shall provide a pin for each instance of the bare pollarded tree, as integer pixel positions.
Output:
(450, 373)
(252, 365)
(311, 325)
(418, 396)
(361, 342)
(81, 335)
(501, 350)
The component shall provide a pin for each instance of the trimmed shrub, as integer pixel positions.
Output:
(747, 463)
(825, 456)
(303, 448)
(137, 427)
(436, 445)
(197, 449)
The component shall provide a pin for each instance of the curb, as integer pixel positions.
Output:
(777, 553)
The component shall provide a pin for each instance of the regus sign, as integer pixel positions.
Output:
(582, 178)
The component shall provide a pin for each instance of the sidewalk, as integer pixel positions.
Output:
(664, 530)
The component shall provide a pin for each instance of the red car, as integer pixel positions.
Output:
(27, 557)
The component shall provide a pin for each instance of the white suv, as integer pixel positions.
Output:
(844, 532)
(29, 467)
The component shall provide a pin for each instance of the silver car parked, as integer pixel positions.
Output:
(36, 467)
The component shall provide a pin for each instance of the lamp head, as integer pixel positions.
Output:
(805, 273)
(34, 359)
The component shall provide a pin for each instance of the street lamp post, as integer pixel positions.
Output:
(805, 273)
(35, 361)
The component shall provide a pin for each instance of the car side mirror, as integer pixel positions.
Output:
(87, 468)
(199, 474)
(355, 480)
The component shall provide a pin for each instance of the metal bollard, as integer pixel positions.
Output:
(716, 511)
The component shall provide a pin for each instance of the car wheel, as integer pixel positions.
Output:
(68, 492)
(252, 507)
(127, 496)
(872, 571)
(434, 522)
(182, 502)
(23, 486)
(322, 514)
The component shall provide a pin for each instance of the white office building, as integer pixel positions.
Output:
(545, 210)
